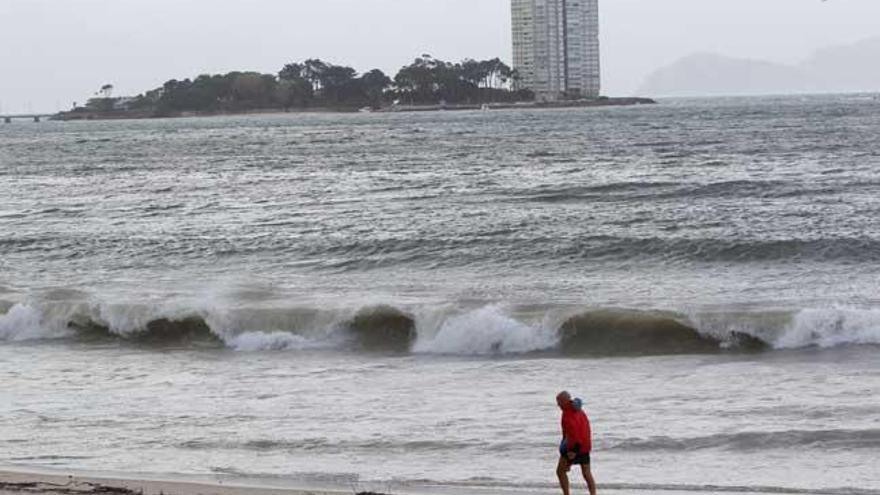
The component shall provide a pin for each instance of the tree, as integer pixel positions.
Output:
(374, 84)
(313, 71)
(314, 82)
(499, 73)
(291, 72)
(337, 83)
(417, 82)
(293, 93)
(253, 90)
(100, 104)
(473, 72)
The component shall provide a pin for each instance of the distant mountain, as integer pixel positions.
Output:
(847, 68)
(837, 69)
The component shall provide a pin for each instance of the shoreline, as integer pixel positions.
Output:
(137, 115)
(599, 102)
(16, 482)
(36, 481)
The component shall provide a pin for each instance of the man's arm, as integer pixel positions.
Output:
(572, 447)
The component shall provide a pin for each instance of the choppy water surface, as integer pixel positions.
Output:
(396, 298)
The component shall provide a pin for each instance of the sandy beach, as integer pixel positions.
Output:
(16, 483)
(45, 483)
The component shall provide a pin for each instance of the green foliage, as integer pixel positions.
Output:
(429, 81)
(319, 84)
(100, 104)
(374, 85)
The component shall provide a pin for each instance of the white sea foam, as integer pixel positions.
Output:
(254, 329)
(831, 327)
(441, 329)
(271, 341)
(765, 326)
(26, 322)
(129, 319)
(487, 330)
(810, 327)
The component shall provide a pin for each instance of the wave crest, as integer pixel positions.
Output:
(22, 322)
(383, 328)
(161, 331)
(445, 329)
(488, 330)
(605, 332)
(831, 328)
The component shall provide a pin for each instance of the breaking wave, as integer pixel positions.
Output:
(485, 331)
(633, 332)
(443, 329)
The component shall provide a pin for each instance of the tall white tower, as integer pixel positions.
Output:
(556, 47)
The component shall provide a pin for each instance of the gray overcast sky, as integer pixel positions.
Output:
(54, 52)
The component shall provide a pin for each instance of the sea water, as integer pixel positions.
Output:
(392, 301)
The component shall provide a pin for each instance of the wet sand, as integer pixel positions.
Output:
(17, 483)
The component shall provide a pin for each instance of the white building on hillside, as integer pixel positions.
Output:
(556, 47)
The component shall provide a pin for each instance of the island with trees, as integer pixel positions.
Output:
(314, 85)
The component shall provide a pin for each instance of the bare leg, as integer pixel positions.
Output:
(588, 476)
(562, 473)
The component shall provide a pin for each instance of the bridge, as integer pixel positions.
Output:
(36, 117)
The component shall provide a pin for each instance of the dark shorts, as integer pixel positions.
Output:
(582, 459)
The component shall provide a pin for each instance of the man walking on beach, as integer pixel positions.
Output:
(577, 443)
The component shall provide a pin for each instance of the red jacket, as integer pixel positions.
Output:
(576, 430)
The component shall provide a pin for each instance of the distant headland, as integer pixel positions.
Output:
(837, 69)
(314, 85)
